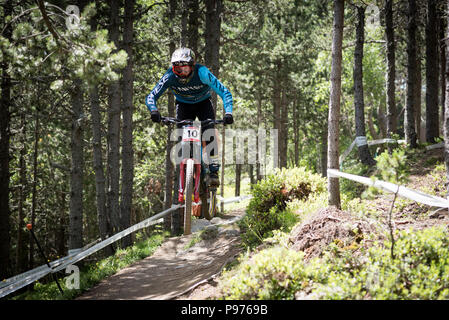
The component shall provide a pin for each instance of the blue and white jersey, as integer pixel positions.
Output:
(196, 89)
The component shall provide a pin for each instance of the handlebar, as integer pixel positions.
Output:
(170, 120)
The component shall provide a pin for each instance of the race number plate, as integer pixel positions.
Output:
(191, 134)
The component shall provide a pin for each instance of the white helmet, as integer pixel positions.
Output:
(185, 55)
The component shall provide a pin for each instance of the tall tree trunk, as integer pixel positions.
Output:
(103, 218)
(334, 103)
(323, 152)
(238, 177)
(446, 107)
(277, 88)
(21, 253)
(184, 22)
(127, 130)
(169, 168)
(359, 104)
(194, 12)
(259, 122)
(34, 184)
(432, 119)
(212, 34)
(442, 47)
(391, 66)
(103, 215)
(418, 85)
(5, 117)
(76, 172)
(296, 129)
(114, 128)
(409, 118)
(283, 129)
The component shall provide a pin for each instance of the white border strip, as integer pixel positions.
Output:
(370, 143)
(391, 187)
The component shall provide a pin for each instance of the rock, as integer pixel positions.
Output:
(209, 232)
(199, 224)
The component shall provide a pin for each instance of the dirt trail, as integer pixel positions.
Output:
(175, 268)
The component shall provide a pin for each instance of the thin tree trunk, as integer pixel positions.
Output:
(359, 104)
(432, 117)
(21, 253)
(194, 12)
(391, 67)
(409, 117)
(323, 152)
(212, 36)
(334, 103)
(238, 177)
(76, 172)
(127, 129)
(259, 122)
(169, 173)
(418, 85)
(442, 47)
(446, 108)
(184, 22)
(114, 129)
(5, 117)
(296, 129)
(277, 87)
(283, 130)
(34, 185)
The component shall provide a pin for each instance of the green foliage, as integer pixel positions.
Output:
(268, 209)
(275, 273)
(393, 167)
(420, 270)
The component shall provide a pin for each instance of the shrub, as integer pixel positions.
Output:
(420, 270)
(274, 273)
(268, 209)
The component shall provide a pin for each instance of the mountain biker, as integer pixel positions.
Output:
(191, 83)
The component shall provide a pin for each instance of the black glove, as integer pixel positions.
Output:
(155, 116)
(228, 118)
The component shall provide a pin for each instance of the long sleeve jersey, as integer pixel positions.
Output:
(197, 89)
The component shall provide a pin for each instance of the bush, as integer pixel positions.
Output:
(420, 270)
(274, 273)
(268, 211)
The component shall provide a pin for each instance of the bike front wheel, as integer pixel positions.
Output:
(209, 204)
(188, 197)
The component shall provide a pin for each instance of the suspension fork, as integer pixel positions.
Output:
(182, 181)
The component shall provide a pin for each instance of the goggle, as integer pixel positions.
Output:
(183, 69)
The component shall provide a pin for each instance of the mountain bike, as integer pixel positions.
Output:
(194, 183)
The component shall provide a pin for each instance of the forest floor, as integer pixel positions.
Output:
(187, 267)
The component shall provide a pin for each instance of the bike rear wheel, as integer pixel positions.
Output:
(188, 197)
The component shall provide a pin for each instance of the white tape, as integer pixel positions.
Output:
(414, 195)
(435, 146)
(360, 141)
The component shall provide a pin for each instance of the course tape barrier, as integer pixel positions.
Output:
(360, 141)
(405, 192)
(17, 282)
(435, 146)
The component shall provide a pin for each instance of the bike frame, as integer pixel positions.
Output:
(191, 140)
(192, 148)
